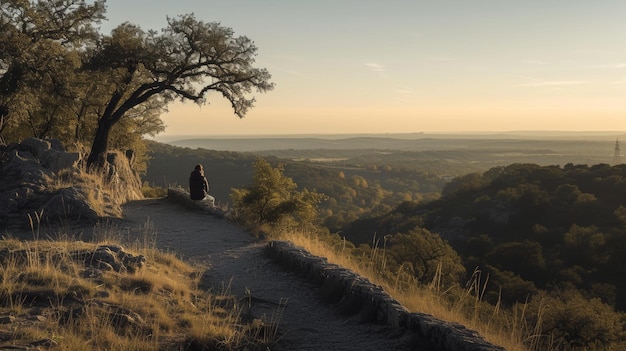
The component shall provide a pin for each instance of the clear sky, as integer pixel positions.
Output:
(401, 66)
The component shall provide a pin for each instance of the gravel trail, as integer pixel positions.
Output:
(233, 258)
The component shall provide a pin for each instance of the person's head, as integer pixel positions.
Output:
(198, 168)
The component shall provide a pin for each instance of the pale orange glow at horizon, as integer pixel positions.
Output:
(403, 66)
(473, 116)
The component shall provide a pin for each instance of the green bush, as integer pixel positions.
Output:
(273, 199)
(571, 322)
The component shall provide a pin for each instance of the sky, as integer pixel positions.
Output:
(396, 66)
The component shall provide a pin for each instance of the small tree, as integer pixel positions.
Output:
(568, 321)
(273, 199)
(427, 255)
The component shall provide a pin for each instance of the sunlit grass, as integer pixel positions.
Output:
(465, 306)
(158, 307)
(99, 192)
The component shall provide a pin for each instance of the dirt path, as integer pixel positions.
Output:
(234, 258)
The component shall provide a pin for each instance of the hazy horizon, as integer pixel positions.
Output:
(421, 66)
(519, 133)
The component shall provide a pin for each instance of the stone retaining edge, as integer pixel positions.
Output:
(355, 294)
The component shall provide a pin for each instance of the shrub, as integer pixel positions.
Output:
(273, 199)
(568, 321)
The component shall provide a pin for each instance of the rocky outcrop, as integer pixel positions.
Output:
(50, 153)
(95, 262)
(68, 203)
(355, 294)
(42, 183)
(110, 258)
(120, 174)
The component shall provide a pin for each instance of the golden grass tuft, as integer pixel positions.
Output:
(99, 192)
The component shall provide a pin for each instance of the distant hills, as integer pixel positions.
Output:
(556, 147)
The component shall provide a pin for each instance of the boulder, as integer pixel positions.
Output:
(68, 203)
(35, 146)
(121, 175)
(56, 161)
(22, 170)
(111, 258)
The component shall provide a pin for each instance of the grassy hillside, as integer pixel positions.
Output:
(61, 294)
(114, 292)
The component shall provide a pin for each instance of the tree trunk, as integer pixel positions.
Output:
(4, 111)
(100, 145)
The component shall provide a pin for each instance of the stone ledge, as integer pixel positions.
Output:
(181, 197)
(355, 294)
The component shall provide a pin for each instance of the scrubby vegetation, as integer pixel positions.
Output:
(576, 307)
(549, 238)
(272, 199)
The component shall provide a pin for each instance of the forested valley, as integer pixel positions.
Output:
(530, 227)
(354, 186)
(527, 233)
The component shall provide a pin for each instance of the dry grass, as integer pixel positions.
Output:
(43, 286)
(104, 196)
(51, 295)
(464, 306)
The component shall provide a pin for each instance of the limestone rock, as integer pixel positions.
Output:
(68, 203)
(110, 258)
(56, 160)
(35, 146)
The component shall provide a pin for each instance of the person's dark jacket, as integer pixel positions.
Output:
(198, 185)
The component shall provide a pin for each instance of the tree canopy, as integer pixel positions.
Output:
(40, 44)
(61, 78)
(186, 61)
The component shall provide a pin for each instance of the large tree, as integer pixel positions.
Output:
(61, 78)
(186, 61)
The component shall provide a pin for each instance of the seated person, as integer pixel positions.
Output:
(199, 185)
